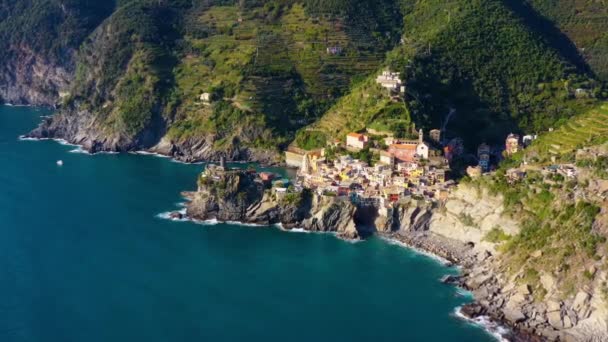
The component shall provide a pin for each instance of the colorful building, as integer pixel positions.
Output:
(483, 155)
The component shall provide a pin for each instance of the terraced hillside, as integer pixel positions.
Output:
(284, 71)
(584, 23)
(588, 129)
(275, 71)
(226, 77)
(485, 60)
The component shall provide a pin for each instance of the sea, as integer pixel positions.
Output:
(86, 254)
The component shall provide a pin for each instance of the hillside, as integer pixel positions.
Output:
(38, 44)
(584, 23)
(484, 59)
(268, 69)
(280, 70)
(201, 80)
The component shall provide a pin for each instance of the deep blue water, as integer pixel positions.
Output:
(84, 257)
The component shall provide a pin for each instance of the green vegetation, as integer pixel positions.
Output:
(497, 235)
(467, 220)
(310, 140)
(488, 59)
(483, 59)
(585, 24)
(48, 27)
(589, 128)
(557, 233)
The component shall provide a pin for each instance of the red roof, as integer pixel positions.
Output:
(403, 147)
(355, 135)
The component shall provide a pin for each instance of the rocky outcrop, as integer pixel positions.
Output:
(238, 196)
(457, 231)
(203, 149)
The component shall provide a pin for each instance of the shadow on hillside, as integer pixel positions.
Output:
(551, 33)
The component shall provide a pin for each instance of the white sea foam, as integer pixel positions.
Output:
(15, 105)
(173, 160)
(155, 154)
(496, 330)
(24, 138)
(64, 142)
(147, 153)
(79, 149)
(167, 216)
(464, 293)
(295, 230)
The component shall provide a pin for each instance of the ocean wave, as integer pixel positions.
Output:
(496, 330)
(167, 216)
(147, 153)
(295, 230)
(25, 138)
(80, 150)
(16, 105)
(464, 293)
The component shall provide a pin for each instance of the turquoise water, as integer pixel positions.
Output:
(84, 257)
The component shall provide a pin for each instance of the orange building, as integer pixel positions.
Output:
(403, 152)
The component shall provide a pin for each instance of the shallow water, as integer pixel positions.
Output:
(84, 257)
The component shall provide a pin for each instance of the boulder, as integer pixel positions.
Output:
(524, 289)
(581, 300)
(514, 315)
(478, 280)
(553, 305)
(547, 281)
(555, 319)
(567, 322)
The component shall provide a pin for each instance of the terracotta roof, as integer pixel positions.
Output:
(403, 147)
(355, 135)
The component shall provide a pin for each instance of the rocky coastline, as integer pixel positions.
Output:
(80, 127)
(238, 196)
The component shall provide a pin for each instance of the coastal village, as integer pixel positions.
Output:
(395, 170)
(401, 170)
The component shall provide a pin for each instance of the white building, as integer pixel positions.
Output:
(389, 80)
(386, 158)
(422, 149)
(356, 140)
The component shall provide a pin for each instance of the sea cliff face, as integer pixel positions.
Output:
(459, 231)
(238, 196)
(30, 78)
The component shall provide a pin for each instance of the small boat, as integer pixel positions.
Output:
(60, 163)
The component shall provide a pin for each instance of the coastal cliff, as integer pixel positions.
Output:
(30, 78)
(238, 196)
(466, 230)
